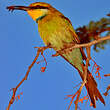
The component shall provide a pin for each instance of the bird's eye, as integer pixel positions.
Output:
(41, 7)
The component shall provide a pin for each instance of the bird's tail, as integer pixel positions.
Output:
(75, 59)
(92, 90)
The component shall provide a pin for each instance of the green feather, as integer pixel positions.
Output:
(58, 31)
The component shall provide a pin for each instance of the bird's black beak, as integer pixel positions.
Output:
(24, 8)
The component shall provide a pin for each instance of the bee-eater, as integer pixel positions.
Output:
(56, 30)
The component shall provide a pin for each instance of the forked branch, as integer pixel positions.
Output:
(87, 46)
(40, 50)
(73, 46)
(85, 77)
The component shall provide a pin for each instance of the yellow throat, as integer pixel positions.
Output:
(38, 13)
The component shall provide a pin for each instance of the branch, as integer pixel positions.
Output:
(108, 88)
(77, 94)
(85, 77)
(73, 46)
(40, 50)
(106, 75)
(88, 46)
(93, 42)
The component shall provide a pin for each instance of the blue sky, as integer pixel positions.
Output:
(45, 91)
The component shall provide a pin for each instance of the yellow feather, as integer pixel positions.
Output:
(35, 13)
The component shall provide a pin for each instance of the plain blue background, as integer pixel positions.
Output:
(45, 91)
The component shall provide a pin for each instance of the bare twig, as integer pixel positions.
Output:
(107, 74)
(85, 77)
(108, 88)
(93, 42)
(82, 45)
(88, 46)
(84, 82)
(40, 50)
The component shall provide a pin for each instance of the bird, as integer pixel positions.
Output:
(56, 30)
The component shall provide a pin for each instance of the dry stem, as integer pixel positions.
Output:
(108, 88)
(40, 50)
(82, 45)
(85, 77)
(106, 75)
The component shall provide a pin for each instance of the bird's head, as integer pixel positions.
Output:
(35, 10)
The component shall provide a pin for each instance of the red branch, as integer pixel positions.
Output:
(97, 67)
(108, 88)
(40, 50)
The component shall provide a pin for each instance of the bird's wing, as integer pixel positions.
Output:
(72, 31)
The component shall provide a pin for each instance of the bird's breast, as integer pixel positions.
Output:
(53, 31)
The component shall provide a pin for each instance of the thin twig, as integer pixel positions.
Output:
(106, 75)
(73, 46)
(88, 46)
(85, 77)
(108, 88)
(92, 43)
(40, 50)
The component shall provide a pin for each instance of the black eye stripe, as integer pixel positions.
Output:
(38, 7)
